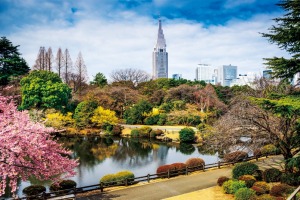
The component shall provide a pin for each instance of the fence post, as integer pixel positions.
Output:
(44, 195)
(126, 182)
(101, 186)
(168, 173)
(256, 157)
(203, 165)
(148, 177)
(74, 190)
(219, 164)
(186, 170)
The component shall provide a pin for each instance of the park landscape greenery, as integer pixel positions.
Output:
(268, 112)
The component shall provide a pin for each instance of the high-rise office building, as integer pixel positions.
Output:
(205, 73)
(227, 74)
(177, 76)
(160, 56)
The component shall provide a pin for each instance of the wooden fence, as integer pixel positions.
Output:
(127, 182)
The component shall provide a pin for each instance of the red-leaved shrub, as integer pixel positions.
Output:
(163, 169)
(195, 163)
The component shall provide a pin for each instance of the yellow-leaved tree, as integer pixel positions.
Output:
(104, 116)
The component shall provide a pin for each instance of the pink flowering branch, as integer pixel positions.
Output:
(27, 149)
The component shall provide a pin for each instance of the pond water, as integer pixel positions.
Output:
(100, 156)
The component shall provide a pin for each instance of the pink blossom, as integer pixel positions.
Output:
(27, 149)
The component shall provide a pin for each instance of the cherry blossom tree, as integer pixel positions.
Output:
(27, 149)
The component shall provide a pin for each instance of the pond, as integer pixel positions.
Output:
(100, 156)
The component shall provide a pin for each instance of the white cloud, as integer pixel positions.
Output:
(107, 45)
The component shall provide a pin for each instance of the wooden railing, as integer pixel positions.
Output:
(293, 195)
(126, 182)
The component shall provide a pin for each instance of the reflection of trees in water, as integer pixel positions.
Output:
(136, 152)
(186, 148)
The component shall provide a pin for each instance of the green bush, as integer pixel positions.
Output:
(235, 156)
(122, 175)
(145, 131)
(272, 175)
(245, 194)
(83, 113)
(249, 180)
(258, 175)
(135, 133)
(290, 179)
(222, 179)
(186, 135)
(63, 185)
(155, 133)
(195, 162)
(269, 149)
(151, 120)
(231, 186)
(108, 178)
(265, 197)
(281, 190)
(34, 190)
(162, 119)
(261, 187)
(246, 168)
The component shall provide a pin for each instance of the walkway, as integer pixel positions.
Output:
(177, 186)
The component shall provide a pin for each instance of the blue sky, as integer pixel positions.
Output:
(115, 34)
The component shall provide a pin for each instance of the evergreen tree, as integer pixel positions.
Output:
(286, 35)
(99, 80)
(11, 64)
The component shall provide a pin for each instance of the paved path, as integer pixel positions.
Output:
(178, 185)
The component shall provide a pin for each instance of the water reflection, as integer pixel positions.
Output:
(100, 156)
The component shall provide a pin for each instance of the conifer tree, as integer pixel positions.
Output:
(59, 62)
(286, 35)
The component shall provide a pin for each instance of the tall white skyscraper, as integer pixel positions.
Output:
(160, 56)
(227, 74)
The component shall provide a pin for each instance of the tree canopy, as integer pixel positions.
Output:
(11, 64)
(286, 35)
(44, 89)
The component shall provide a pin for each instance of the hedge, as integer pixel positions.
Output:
(195, 162)
(235, 156)
(245, 168)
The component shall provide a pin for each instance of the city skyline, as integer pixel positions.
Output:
(118, 34)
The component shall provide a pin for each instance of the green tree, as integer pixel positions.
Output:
(43, 90)
(186, 135)
(84, 112)
(11, 64)
(136, 114)
(286, 36)
(99, 80)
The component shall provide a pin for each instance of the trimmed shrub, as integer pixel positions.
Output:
(265, 197)
(261, 187)
(245, 194)
(235, 156)
(272, 175)
(186, 135)
(178, 166)
(135, 133)
(249, 180)
(117, 129)
(145, 131)
(108, 178)
(222, 179)
(163, 169)
(269, 149)
(34, 190)
(246, 168)
(258, 175)
(290, 179)
(195, 163)
(63, 185)
(122, 175)
(155, 133)
(231, 186)
(281, 190)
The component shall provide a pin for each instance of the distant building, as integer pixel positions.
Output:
(227, 74)
(160, 56)
(177, 76)
(267, 74)
(206, 73)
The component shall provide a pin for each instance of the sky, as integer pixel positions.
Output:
(120, 34)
